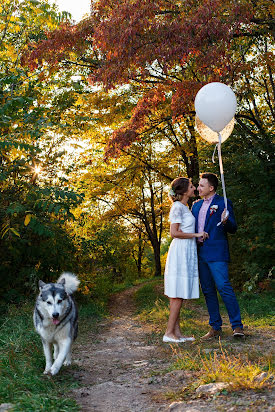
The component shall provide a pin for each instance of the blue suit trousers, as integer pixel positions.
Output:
(213, 277)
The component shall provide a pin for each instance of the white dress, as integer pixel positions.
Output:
(181, 277)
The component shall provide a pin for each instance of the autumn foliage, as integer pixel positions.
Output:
(122, 82)
(173, 48)
(58, 45)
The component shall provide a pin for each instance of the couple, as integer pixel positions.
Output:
(199, 250)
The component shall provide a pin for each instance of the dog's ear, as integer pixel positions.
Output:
(62, 281)
(41, 284)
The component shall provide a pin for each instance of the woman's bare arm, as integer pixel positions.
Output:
(176, 233)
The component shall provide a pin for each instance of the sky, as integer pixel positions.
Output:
(77, 8)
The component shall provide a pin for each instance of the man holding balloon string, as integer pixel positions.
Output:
(215, 106)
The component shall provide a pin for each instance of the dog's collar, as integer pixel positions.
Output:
(39, 314)
(62, 322)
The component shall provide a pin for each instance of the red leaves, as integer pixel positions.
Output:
(137, 33)
(146, 106)
(131, 34)
(59, 44)
(121, 139)
(184, 96)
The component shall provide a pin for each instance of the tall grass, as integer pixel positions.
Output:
(237, 370)
(223, 366)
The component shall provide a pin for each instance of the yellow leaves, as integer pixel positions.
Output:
(6, 228)
(27, 219)
(51, 25)
(80, 101)
(14, 231)
(20, 21)
(86, 290)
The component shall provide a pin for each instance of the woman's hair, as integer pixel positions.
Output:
(179, 186)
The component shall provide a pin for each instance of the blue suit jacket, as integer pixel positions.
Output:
(215, 249)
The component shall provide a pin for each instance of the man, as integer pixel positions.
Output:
(213, 255)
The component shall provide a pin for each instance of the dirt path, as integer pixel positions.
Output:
(124, 368)
(116, 369)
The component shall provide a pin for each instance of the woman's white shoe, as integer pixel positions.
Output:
(167, 339)
(191, 339)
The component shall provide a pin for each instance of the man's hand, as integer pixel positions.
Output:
(203, 235)
(225, 215)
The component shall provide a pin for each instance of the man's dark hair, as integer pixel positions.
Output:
(212, 179)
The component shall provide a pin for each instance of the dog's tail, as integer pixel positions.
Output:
(71, 282)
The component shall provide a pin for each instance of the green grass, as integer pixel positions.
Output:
(258, 309)
(146, 298)
(153, 307)
(128, 283)
(22, 363)
(210, 360)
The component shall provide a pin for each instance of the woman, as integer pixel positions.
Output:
(181, 270)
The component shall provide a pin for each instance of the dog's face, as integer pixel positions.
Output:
(53, 300)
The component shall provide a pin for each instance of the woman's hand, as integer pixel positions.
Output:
(204, 235)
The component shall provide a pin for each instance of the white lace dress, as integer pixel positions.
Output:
(181, 277)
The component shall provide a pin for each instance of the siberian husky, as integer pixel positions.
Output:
(55, 319)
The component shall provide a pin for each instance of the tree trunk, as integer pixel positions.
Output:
(140, 253)
(156, 247)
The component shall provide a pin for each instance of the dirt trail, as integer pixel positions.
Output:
(123, 368)
(116, 365)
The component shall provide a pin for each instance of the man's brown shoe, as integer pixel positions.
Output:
(238, 333)
(212, 334)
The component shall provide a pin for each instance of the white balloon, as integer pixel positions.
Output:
(213, 137)
(215, 105)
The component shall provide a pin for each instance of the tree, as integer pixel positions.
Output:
(169, 50)
(35, 201)
(164, 52)
(130, 192)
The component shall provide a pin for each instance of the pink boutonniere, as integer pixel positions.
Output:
(213, 209)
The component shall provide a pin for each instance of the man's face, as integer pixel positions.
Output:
(205, 189)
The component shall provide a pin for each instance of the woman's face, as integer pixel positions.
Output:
(191, 190)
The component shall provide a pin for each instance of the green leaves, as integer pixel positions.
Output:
(58, 201)
(10, 144)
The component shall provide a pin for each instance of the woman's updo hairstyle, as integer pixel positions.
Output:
(179, 186)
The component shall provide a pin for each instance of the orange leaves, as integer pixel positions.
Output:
(183, 97)
(120, 139)
(60, 43)
(146, 106)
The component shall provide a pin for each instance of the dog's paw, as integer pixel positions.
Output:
(47, 371)
(54, 370)
(67, 362)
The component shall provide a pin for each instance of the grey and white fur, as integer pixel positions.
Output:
(56, 320)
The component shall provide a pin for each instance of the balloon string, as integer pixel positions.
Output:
(221, 171)
(213, 155)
